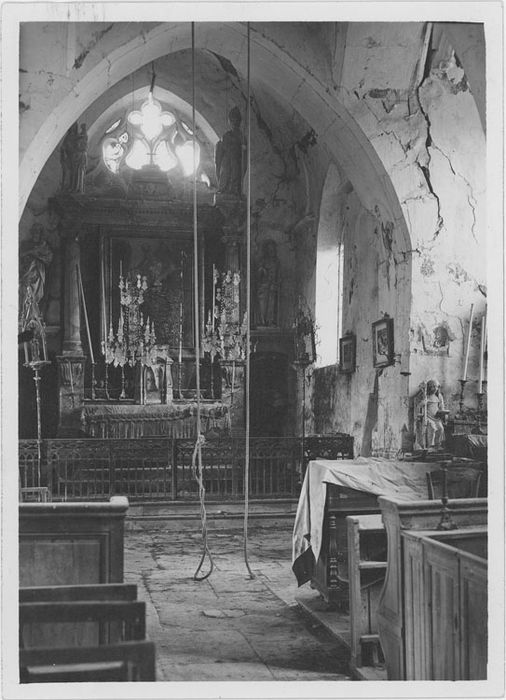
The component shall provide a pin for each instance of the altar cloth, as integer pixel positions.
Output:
(134, 421)
(405, 481)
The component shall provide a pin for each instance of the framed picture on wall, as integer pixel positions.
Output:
(383, 342)
(347, 352)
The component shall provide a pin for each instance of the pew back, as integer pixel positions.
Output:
(128, 661)
(70, 544)
(399, 516)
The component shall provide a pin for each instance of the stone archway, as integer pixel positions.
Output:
(271, 65)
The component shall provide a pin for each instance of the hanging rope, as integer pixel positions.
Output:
(197, 452)
(248, 310)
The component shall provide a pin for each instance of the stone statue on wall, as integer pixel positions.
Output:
(267, 285)
(35, 257)
(230, 157)
(74, 159)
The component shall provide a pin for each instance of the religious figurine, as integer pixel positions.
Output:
(74, 158)
(433, 413)
(34, 258)
(267, 283)
(230, 158)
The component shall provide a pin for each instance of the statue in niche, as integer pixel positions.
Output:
(74, 159)
(34, 258)
(230, 157)
(267, 283)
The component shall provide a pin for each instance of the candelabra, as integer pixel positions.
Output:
(225, 335)
(135, 341)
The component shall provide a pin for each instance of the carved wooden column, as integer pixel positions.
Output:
(71, 362)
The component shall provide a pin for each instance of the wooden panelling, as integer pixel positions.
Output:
(399, 516)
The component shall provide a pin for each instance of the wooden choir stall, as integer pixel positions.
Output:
(409, 574)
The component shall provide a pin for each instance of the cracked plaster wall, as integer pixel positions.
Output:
(424, 124)
(370, 404)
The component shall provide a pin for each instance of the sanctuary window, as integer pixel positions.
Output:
(151, 137)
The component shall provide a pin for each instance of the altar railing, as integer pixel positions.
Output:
(160, 468)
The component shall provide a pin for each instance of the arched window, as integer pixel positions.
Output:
(329, 272)
(151, 137)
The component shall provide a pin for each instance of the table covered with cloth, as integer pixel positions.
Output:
(171, 420)
(375, 475)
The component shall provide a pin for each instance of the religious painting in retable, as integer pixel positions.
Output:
(163, 268)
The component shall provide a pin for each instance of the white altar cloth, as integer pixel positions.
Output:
(404, 481)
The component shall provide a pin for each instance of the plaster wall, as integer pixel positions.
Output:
(425, 127)
(370, 403)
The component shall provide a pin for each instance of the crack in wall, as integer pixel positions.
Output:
(90, 45)
(470, 196)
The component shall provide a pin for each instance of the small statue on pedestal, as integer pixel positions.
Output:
(230, 157)
(267, 283)
(35, 257)
(432, 414)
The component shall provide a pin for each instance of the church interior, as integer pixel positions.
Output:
(253, 284)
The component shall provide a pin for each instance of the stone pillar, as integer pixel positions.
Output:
(72, 360)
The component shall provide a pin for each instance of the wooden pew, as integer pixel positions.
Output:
(128, 661)
(103, 591)
(367, 563)
(71, 543)
(416, 516)
(130, 614)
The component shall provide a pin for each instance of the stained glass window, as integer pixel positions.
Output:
(151, 136)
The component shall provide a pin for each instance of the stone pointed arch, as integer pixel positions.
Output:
(270, 65)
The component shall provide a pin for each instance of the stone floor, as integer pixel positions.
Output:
(229, 627)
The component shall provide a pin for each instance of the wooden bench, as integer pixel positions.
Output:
(127, 661)
(71, 543)
(416, 516)
(103, 591)
(130, 614)
(367, 563)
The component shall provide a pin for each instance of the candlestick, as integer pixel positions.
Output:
(482, 350)
(78, 269)
(468, 343)
(461, 398)
(214, 289)
(180, 356)
(102, 284)
(446, 522)
(72, 394)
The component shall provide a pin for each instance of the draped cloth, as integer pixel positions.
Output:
(134, 421)
(405, 481)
